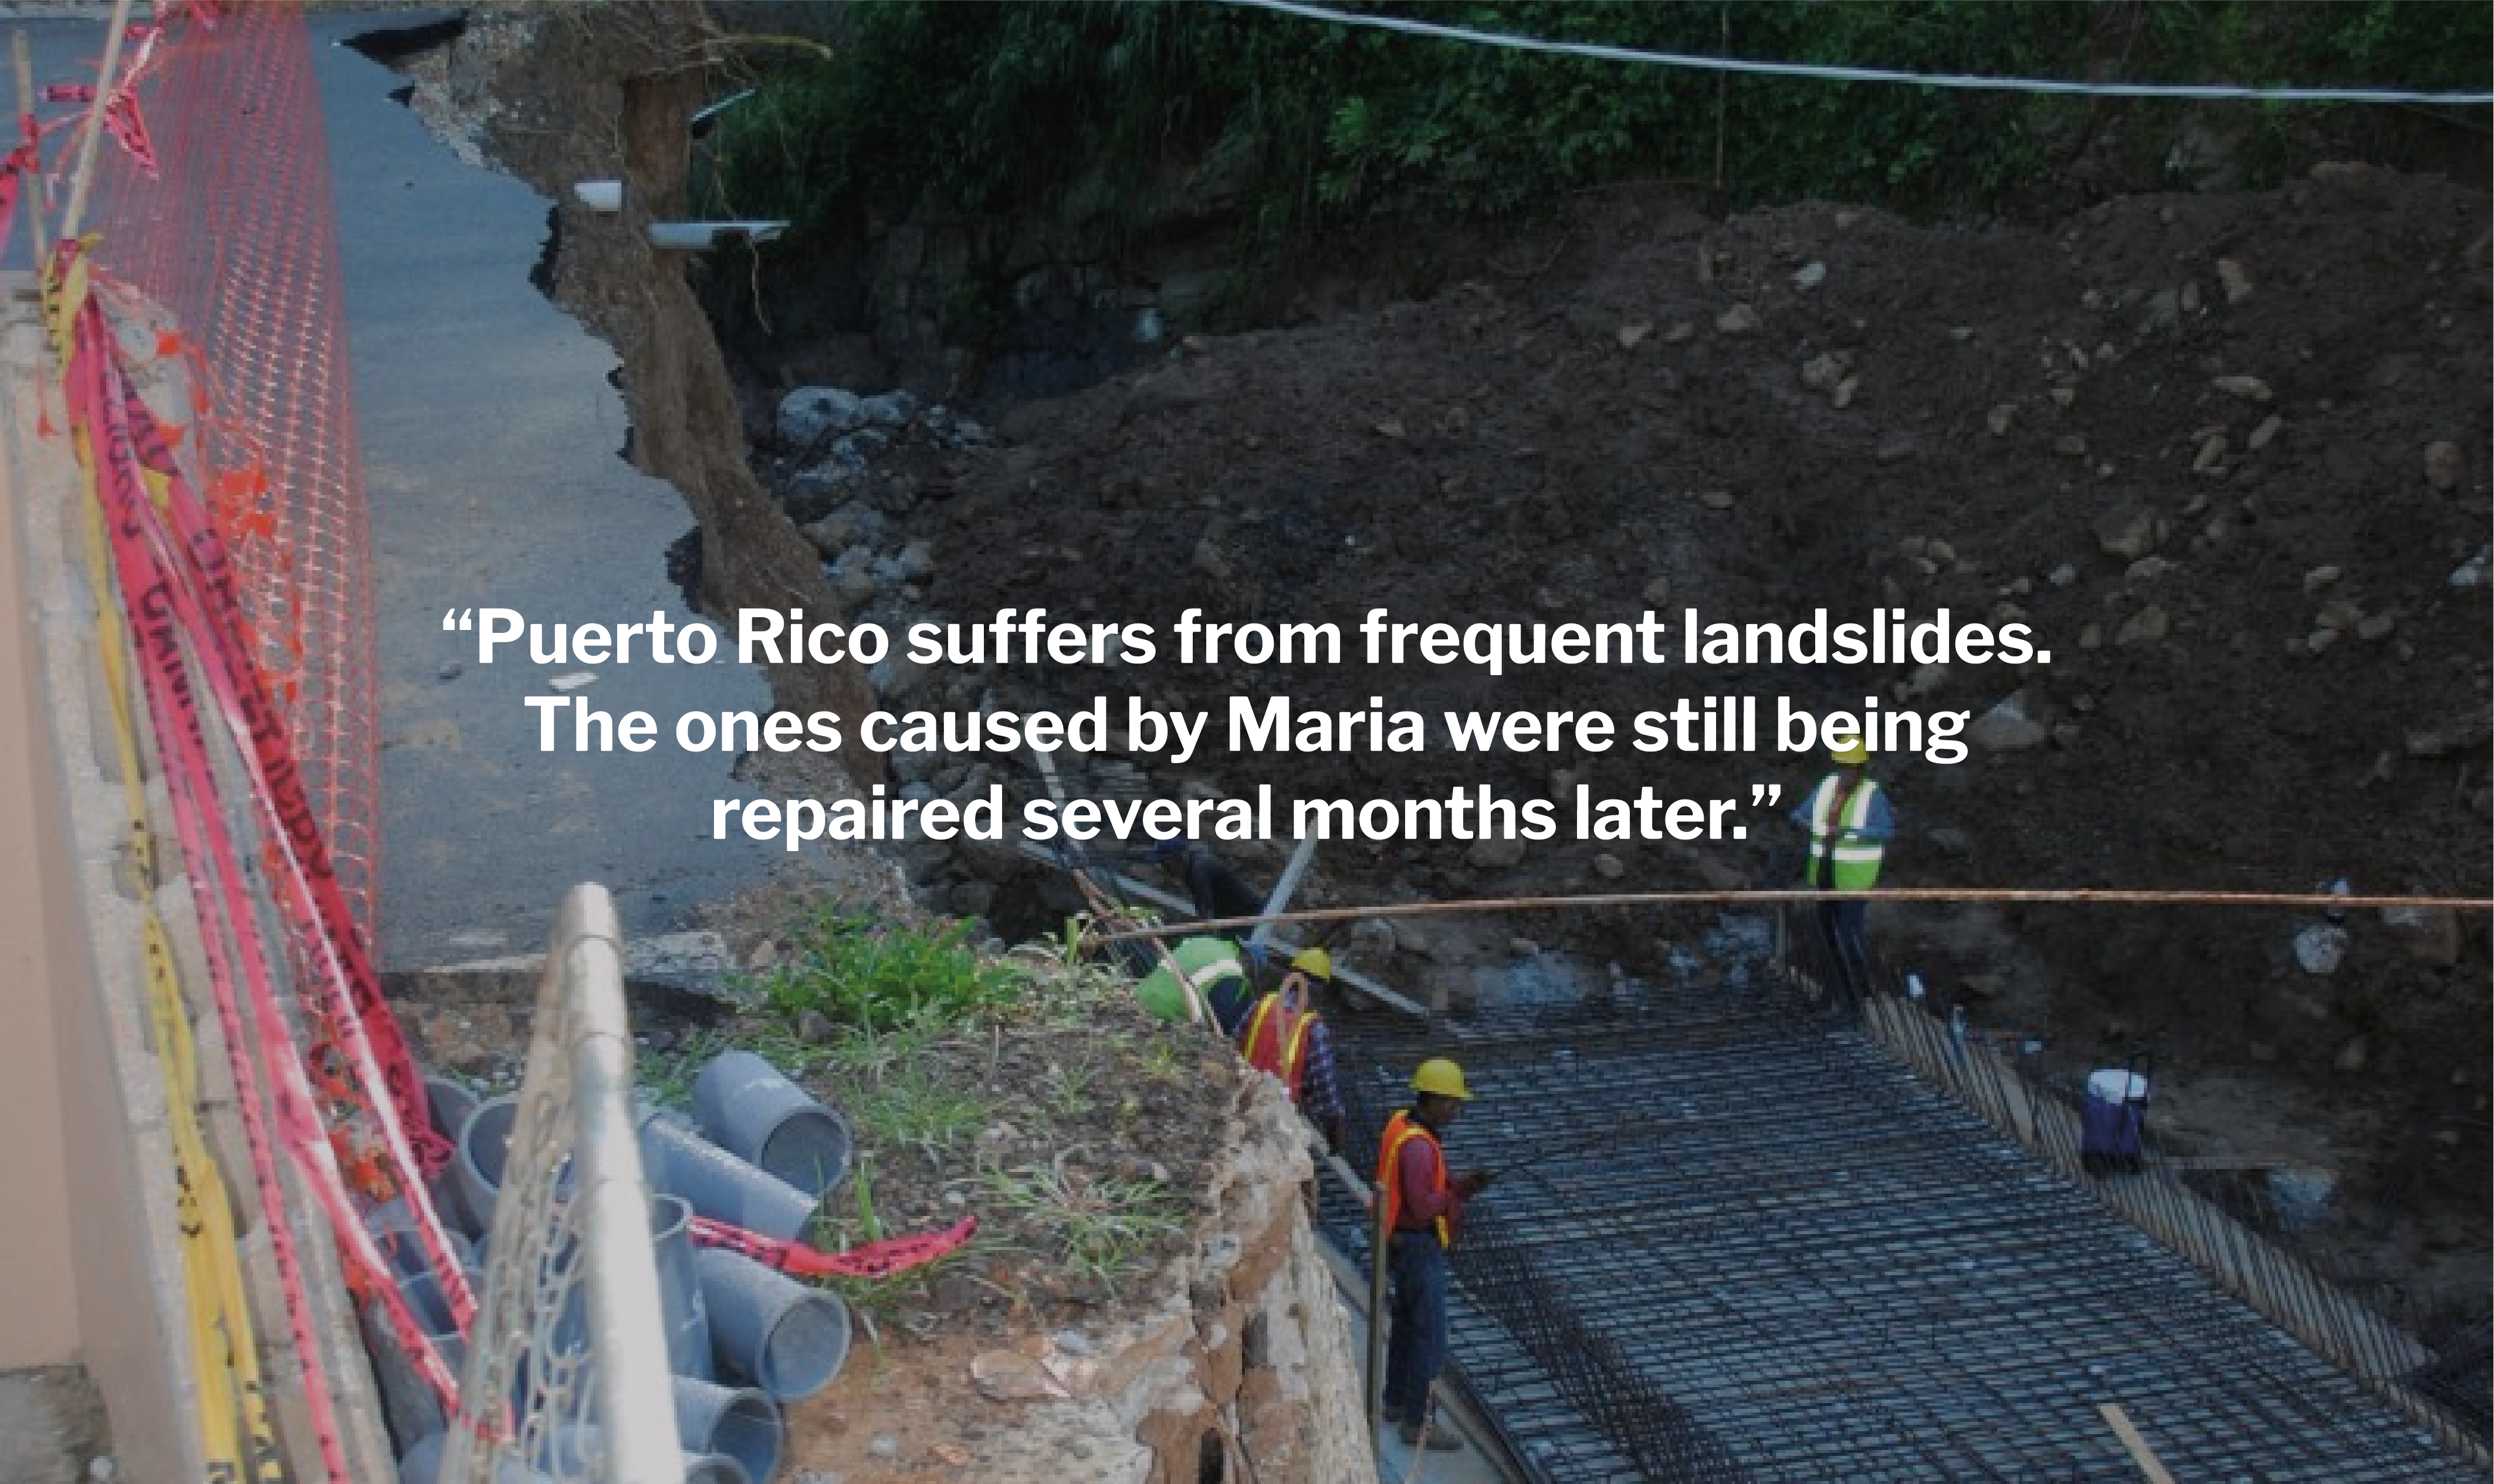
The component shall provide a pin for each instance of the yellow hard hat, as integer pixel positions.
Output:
(1441, 1076)
(1314, 960)
(1850, 750)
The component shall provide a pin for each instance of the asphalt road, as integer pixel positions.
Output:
(491, 445)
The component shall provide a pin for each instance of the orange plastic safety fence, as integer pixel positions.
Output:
(232, 231)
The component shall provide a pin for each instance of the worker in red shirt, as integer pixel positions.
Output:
(1423, 1210)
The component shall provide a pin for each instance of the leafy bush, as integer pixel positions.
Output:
(874, 976)
(1106, 112)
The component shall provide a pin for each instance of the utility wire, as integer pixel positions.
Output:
(2112, 896)
(1830, 73)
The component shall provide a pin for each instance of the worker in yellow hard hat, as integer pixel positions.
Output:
(1286, 1037)
(1850, 825)
(1423, 1210)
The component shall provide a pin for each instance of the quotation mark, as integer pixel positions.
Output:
(1765, 796)
(459, 619)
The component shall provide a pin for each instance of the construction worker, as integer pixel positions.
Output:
(1215, 972)
(1215, 888)
(1849, 825)
(1286, 1037)
(1423, 1210)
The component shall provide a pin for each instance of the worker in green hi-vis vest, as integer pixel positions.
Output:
(1849, 825)
(1214, 968)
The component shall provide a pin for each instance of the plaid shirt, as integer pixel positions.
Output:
(1320, 1088)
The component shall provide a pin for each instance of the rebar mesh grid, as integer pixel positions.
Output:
(1797, 1261)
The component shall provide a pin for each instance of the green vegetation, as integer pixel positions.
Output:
(1107, 116)
(953, 1070)
(868, 976)
(1097, 1228)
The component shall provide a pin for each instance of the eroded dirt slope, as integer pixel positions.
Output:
(2191, 439)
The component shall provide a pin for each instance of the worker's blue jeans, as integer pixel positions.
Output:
(1843, 928)
(1416, 1350)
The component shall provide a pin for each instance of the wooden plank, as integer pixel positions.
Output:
(2139, 1452)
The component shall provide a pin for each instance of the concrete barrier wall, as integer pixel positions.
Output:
(38, 929)
(93, 1118)
(90, 1267)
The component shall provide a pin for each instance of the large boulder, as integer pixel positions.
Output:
(810, 415)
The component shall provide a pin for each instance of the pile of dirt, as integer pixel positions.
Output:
(2227, 455)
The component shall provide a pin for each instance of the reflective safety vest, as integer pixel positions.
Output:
(1204, 968)
(1834, 823)
(1276, 1038)
(1401, 1130)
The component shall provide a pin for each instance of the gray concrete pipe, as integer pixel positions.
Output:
(484, 1145)
(786, 1338)
(680, 1299)
(743, 1103)
(409, 1404)
(401, 1238)
(734, 1422)
(715, 1469)
(679, 1161)
(447, 1106)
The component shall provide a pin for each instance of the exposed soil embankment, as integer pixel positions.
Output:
(2224, 454)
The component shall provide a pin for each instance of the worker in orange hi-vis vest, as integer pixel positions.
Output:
(1286, 1037)
(1423, 1211)
(1849, 825)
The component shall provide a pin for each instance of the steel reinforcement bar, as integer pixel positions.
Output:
(1796, 1258)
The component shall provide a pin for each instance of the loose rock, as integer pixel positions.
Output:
(2249, 388)
(2445, 466)
(2006, 728)
(1739, 319)
(1495, 855)
(2133, 533)
(2236, 282)
(1211, 560)
(2149, 625)
(2430, 934)
(2319, 949)
(810, 415)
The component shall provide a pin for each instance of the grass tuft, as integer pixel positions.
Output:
(1099, 1229)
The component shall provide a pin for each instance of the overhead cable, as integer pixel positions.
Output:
(1830, 73)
